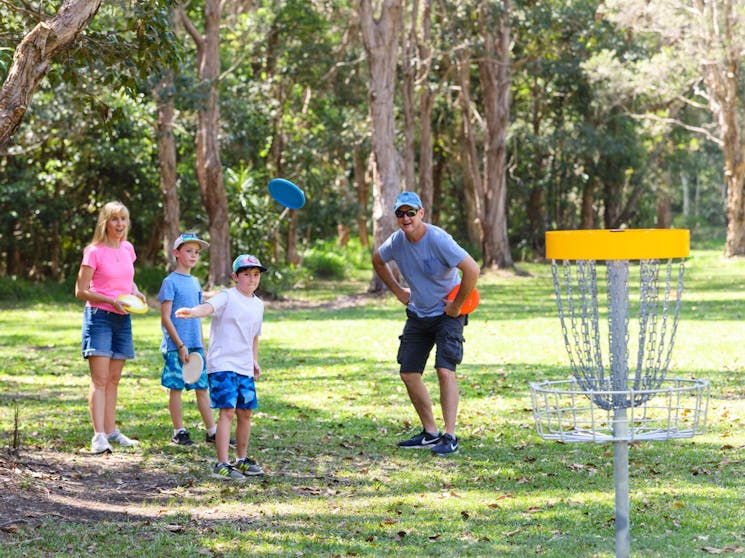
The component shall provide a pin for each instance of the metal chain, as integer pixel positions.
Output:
(575, 287)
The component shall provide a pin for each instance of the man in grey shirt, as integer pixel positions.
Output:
(429, 260)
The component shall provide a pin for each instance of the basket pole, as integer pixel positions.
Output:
(618, 317)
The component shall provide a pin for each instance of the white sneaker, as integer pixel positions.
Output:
(100, 444)
(121, 439)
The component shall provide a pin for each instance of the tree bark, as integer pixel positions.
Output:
(380, 38)
(472, 179)
(167, 163)
(426, 103)
(32, 59)
(408, 84)
(727, 103)
(362, 193)
(494, 70)
(208, 163)
(587, 218)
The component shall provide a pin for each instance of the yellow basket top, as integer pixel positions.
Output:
(618, 244)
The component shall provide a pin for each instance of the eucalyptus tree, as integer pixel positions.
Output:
(695, 58)
(209, 166)
(381, 38)
(34, 55)
(482, 34)
(78, 144)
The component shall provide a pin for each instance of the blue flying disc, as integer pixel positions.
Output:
(286, 193)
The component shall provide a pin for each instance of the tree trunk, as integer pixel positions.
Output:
(167, 163)
(380, 36)
(470, 161)
(208, 164)
(426, 103)
(292, 255)
(408, 84)
(362, 192)
(588, 205)
(536, 213)
(663, 204)
(32, 59)
(719, 27)
(494, 71)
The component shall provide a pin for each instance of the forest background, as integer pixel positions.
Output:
(510, 118)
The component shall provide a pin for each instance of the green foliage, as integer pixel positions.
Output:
(329, 260)
(279, 281)
(325, 264)
(18, 292)
(293, 101)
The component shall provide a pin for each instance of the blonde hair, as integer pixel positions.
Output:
(107, 212)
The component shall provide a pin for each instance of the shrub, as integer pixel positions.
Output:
(325, 264)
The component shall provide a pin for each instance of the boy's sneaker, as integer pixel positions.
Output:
(448, 444)
(100, 444)
(223, 471)
(210, 439)
(121, 439)
(181, 438)
(248, 467)
(421, 440)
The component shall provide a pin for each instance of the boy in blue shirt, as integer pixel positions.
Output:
(183, 337)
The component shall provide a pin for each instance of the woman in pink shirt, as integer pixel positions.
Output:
(106, 272)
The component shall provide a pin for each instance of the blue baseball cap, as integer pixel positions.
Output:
(189, 237)
(407, 198)
(247, 260)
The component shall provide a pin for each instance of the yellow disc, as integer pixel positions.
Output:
(618, 244)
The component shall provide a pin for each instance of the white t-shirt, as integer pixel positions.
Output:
(235, 323)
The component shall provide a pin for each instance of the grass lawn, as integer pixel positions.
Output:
(331, 411)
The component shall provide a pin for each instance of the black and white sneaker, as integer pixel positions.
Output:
(210, 439)
(182, 438)
(447, 444)
(422, 440)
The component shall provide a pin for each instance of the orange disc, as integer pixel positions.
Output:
(472, 301)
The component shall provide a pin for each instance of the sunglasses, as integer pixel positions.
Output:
(408, 213)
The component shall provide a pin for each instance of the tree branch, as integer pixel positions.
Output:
(191, 29)
(697, 129)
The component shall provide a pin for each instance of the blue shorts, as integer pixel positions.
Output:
(107, 334)
(172, 377)
(421, 334)
(229, 390)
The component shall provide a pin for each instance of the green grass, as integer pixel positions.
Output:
(331, 409)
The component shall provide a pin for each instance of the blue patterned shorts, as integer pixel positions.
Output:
(229, 390)
(172, 378)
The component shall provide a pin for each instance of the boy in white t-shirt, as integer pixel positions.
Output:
(233, 362)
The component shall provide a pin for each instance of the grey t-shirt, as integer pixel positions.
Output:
(428, 265)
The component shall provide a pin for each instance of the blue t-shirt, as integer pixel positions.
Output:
(185, 292)
(428, 265)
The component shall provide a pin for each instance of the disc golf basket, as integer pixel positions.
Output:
(619, 391)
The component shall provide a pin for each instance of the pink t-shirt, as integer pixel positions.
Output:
(113, 271)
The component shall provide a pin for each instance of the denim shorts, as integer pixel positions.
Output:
(172, 376)
(107, 334)
(229, 390)
(421, 334)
